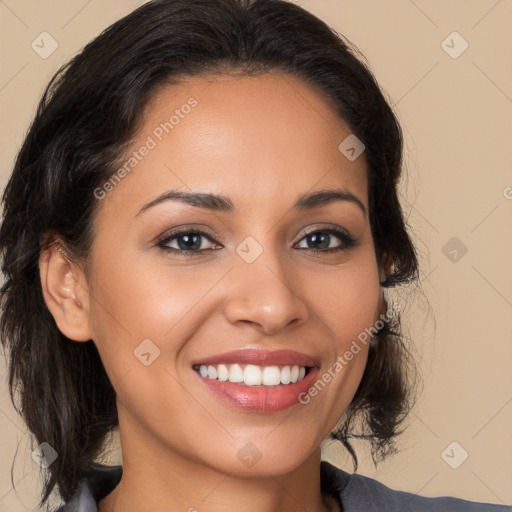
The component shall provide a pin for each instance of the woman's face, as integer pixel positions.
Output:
(269, 285)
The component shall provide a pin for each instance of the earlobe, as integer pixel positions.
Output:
(383, 305)
(65, 293)
(386, 269)
(386, 266)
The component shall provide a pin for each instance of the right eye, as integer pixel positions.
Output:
(189, 242)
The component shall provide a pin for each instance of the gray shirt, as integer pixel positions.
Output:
(354, 493)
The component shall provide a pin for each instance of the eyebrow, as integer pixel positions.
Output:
(220, 203)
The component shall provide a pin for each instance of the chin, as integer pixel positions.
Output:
(259, 457)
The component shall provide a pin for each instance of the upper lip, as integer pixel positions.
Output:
(259, 358)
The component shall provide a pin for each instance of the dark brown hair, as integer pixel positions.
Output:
(88, 114)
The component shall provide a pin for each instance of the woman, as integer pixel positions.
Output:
(197, 237)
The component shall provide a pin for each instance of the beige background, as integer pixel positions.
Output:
(457, 118)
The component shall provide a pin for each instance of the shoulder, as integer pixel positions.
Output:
(359, 493)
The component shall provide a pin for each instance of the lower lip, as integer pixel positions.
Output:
(260, 399)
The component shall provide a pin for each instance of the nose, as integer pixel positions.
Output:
(265, 295)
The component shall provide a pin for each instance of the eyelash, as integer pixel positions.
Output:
(347, 241)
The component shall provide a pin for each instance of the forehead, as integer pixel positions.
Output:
(270, 136)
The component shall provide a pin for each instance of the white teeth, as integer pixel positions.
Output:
(212, 372)
(252, 375)
(236, 374)
(286, 375)
(271, 376)
(223, 372)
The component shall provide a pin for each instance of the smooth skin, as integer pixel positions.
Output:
(263, 141)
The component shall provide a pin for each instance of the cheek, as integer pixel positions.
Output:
(348, 301)
(132, 313)
(143, 299)
(349, 306)
(135, 299)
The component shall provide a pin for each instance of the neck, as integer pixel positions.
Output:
(153, 482)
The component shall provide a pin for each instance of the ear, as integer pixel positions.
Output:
(386, 265)
(65, 292)
(386, 268)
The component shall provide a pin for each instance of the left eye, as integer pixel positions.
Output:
(321, 240)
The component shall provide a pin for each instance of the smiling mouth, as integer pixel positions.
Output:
(255, 380)
(251, 375)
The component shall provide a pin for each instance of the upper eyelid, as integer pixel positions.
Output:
(328, 227)
(171, 233)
